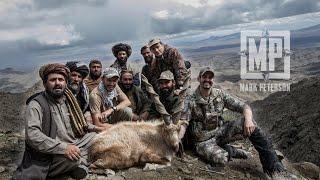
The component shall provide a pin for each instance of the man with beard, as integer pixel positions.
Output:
(168, 58)
(94, 77)
(122, 52)
(171, 100)
(139, 102)
(56, 131)
(210, 134)
(108, 103)
(78, 71)
(148, 69)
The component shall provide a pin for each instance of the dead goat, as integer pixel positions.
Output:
(128, 144)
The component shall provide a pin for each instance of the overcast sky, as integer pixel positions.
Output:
(37, 31)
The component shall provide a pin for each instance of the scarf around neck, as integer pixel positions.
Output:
(108, 97)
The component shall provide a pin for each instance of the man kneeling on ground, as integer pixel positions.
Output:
(108, 104)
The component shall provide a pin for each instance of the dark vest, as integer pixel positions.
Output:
(35, 165)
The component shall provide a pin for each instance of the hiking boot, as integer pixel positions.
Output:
(79, 172)
(241, 154)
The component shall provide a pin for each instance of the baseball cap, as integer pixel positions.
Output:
(166, 75)
(154, 41)
(206, 69)
(110, 72)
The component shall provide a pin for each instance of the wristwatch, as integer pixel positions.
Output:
(114, 108)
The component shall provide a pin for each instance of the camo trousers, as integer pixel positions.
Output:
(217, 150)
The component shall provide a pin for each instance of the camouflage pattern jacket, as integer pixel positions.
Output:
(172, 104)
(148, 72)
(206, 113)
(172, 60)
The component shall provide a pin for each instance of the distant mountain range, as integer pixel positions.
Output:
(10, 70)
(305, 37)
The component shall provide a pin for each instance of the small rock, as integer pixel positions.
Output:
(107, 172)
(248, 175)
(2, 169)
(280, 155)
(149, 167)
(307, 169)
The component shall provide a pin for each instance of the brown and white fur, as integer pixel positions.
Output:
(128, 144)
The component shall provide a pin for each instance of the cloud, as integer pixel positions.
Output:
(59, 29)
(45, 35)
(206, 14)
(54, 4)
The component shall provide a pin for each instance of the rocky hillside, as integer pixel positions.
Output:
(293, 118)
(13, 108)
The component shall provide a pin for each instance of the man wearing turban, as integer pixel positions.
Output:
(122, 52)
(56, 131)
(79, 71)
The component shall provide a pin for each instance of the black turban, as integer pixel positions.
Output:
(78, 67)
(121, 47)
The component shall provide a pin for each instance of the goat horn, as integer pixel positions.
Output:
(167, 120)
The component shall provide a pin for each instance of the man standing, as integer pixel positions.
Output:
(168, 58)
(148, 69)
(139, 102)
(94, 77)
(108, 104)
(56, 137)
(122, 52)
(211, 134)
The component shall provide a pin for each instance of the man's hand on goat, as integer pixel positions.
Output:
(106, 113)
(72, 152)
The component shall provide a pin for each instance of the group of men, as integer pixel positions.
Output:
(80, 101)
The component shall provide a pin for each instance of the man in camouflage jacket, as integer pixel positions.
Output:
(168, 58)
(210, 134)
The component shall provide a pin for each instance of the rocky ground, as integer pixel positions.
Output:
(297, 147)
